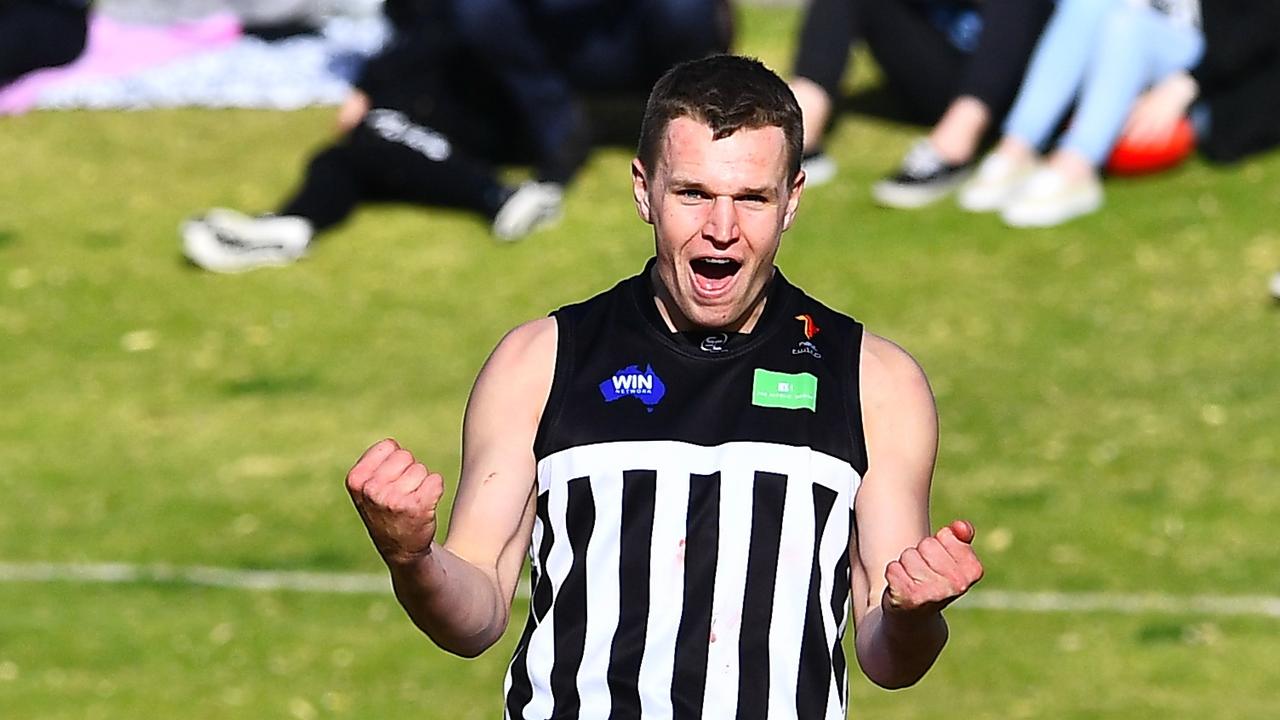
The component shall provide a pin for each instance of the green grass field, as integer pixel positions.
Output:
(1109, 395)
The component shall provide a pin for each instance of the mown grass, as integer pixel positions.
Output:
(1107, 389)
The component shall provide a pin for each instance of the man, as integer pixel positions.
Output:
(705, 465)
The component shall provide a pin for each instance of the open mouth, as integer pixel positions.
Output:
(712, 274)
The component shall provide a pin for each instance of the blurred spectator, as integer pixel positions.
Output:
(40, 33)
(1101, 54)
(955, 63)
(546, 52)
(435, 111)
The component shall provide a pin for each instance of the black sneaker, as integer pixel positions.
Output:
(923, 178)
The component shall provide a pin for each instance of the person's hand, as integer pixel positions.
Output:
(1159, 109)
(353, 110)
(396, 497)
(929, 576)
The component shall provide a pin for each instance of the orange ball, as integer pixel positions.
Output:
(1130, 158)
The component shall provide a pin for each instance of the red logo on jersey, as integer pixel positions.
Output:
(810, 327)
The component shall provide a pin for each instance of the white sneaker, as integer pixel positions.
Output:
(1275, 286)
(532, 206)
(995, 183)
(1047, 198)
(227, 241)
(819, 169)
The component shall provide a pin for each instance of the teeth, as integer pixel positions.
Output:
(717, 261)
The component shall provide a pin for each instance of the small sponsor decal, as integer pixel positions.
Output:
(806, 348)
(631, 382)
(790, 391)
(714, 343)
(810, 327)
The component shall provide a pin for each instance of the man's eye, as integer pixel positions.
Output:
(693, 194)
(754, 199)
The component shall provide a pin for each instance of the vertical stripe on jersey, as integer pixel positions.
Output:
(638, 489)
(840, 611)
(815, 678)
(520, 691)
(767, 505)
(702, 526)
(570, 612)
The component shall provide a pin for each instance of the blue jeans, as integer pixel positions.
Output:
(1102, 54)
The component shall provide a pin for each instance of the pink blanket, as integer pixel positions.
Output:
(115, 49)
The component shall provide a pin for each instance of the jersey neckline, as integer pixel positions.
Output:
(780, 298)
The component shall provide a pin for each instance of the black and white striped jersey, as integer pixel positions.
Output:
(695, 503)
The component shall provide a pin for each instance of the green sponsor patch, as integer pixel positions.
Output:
(784, 390)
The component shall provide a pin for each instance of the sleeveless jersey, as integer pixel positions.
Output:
(694, 509)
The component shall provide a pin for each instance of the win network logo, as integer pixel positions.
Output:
(645, 386)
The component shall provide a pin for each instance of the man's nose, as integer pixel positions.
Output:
(721, 225)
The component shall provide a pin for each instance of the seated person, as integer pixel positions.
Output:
(436, 110)
(37, 34)
(1099, 55)
(956, 64)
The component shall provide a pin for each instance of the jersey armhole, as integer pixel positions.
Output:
(853, 392)
(555, 398)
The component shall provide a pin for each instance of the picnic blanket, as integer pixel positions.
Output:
(207, 62)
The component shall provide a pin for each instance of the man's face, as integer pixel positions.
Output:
(718, 210)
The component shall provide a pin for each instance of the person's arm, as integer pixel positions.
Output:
(902, 577)
(460, 593)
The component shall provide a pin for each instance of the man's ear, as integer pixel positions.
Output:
(793, 200)
(640, 190)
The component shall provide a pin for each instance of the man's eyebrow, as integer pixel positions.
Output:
(681, 181)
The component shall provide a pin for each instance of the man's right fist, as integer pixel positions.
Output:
(396, 497)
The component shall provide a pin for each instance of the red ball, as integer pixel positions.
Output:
(1130, 158)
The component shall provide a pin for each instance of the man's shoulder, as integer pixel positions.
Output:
(884, 364)
(621, 291)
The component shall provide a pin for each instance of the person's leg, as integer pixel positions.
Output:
(35, 35)
(1052, 80)
(923, 67)
(394, 159)
(1136, 47)
(329, 191)
(990, 77)
(385, 158)
(1055, 73)
(918, 61)
(827, 32)
(995, 69)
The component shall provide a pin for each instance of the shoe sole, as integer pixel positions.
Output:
(1013, 218)
(199, 236)
(900, 198)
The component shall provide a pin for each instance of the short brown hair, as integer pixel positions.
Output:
(727, 93)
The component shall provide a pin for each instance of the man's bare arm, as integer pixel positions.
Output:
(460, 593)
(902, 577)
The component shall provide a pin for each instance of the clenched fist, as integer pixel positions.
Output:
(397, 498)
(929, 576)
